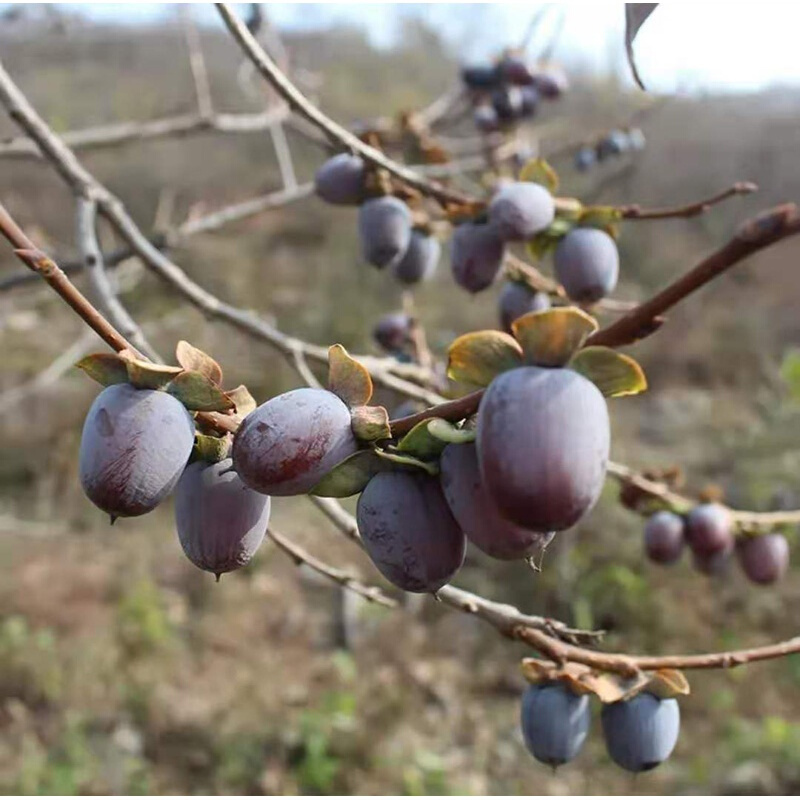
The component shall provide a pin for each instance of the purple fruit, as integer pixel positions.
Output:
(642, 732)
(555, 722)
(587, 264)
(530, 102)
(420, 260)
(663, 537)
(340, 180)
(765, 558)
(507, 103)
(476, 514)
(485, 119)
(476, 255)
(543, 441)
(520, 210)
(134, 446)
(392, 331)
(384, 226)
(515, 70)
(290, 442)
(480, 77)
(708, 529)
(517, 299)
(409, 532)
(551, 82)
(585, 159)
(220, 521)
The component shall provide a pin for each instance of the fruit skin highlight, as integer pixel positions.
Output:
(134, 446)
(286, 446)
(543, 443)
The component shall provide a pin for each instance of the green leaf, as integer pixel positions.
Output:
(449, 433)
(406, 460)
(194, 360)
(550, 338)
(105, 368)
(370, 423)
(476, 358)
(790, 373)
(613, 373)
(347, 378)
(548, 239)
(350, 476)
(420, 443)
(198, 393)
(242, 400)
(147, 375)
(211, 449)
(600, 216)
(537, 170)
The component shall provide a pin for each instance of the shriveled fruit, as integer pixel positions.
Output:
(543, 442)
(476, 255)
(641, 733)
(587, 264)
(408, 530)
(220, 521)
(290, 442)
(555, 722)
(340, 180)
(134, 446)
(475, 512)
(517, 299)
(392, 331)
(384, 227)
(519, 210)
(765, 558)
(420, 259)
(708, 529)
(664, 537)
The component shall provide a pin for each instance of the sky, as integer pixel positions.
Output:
(683, 47)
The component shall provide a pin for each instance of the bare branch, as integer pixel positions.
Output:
(335, 574)
(691, 209)
(197, 63)
(105, 297)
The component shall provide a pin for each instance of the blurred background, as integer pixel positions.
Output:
(123, 669)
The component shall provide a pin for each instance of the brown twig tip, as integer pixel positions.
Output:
(636, 212)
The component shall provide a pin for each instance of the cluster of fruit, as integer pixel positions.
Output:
(386, 227)
(510, 90)
(614, 143)
(640, 733)
(708, 531)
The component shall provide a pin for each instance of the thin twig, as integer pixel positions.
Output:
(335, 574)
(104, 295)
(197, 63)
(691, 209)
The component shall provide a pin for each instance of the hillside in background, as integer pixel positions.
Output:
(125, 669)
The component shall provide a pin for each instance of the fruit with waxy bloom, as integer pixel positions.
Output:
(765, 558)
(586, 263)
(555, 722)
(340, 180)
(384, 227)
(420, 260)
(517, 299)
(476, 256)
(664, 537)
(519, 210)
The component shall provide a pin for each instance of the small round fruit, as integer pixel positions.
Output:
(708, 529)
(220, 521)
(613, 144)
(765, 558)
(551, 82)
(408, 530)
(543, 442)
(641, 733)
(585, 159)
(134, 446)
(519, 210)
(507, 103)
(485, 118)
(555, 722)
(517, 299)
(420, 260)
(530, 102)
(480, 77)
(476, 514)
(340, 180)
(286, 445)
(476, 255)
(587, 264)
(384, 227)
(663, 537)
(392, 331)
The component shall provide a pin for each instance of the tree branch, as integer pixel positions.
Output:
(691, 209)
